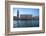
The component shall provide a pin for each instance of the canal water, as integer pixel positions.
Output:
(25, 23)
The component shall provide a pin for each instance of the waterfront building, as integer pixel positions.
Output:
(25, 16)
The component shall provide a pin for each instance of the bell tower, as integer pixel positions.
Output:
(17, 13)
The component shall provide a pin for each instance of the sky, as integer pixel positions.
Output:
(29, 11)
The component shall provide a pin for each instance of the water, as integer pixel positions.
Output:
(25, 23)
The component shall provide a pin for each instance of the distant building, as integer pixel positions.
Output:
(18, 14)
(14, 17)
(25, 16)
(36, 17)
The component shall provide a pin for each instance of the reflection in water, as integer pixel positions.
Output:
(25, 23)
